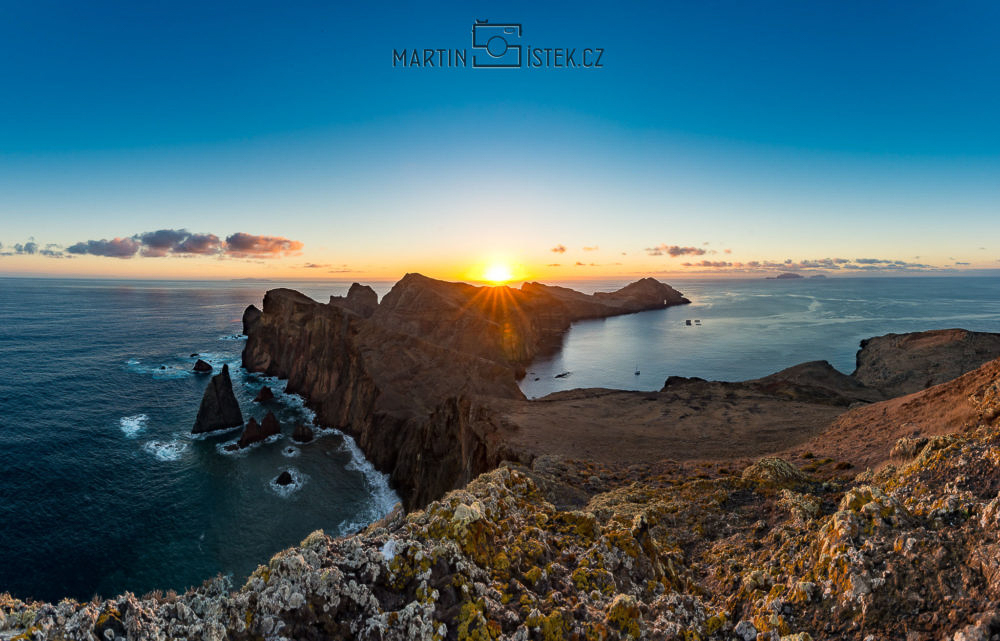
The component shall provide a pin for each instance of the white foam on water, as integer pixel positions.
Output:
(165, 451)
(132, 425)
(158, 372)
(284, 491)
(382, 496)
(207, 435)
(238, 451)
(221, 447)
(233, 337)
(291, 452)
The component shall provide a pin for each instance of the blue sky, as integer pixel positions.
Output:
(780, 131)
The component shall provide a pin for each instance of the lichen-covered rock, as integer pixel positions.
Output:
(910, 553)
(774, 472)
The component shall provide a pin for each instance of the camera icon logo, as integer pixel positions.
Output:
(494, 45)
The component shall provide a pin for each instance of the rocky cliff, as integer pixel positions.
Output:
(425, 382)
(416, 409)
(502, 323)
(905, 363)
(602, 514)
(414, 381)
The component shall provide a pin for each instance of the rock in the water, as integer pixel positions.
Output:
(284, 478)
(303, 433)
(264, 395)
(256, 432)
(202, 366)
(219, 408)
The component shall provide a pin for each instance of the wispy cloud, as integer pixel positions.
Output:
(559, 249)
(591, 249)
(243, 245)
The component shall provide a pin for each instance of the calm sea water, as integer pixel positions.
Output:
(751, 328)
(103, 487)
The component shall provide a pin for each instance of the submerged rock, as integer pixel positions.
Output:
(202, 366)
(264, 395)
(219, 408)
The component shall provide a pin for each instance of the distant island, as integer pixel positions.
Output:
(785, 276)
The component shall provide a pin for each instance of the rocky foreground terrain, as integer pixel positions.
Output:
(766, 552)
(864, 515)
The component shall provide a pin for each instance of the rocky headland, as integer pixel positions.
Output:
(416, 381)
(808, 504)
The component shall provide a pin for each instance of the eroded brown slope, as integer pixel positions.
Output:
(901, 364)
(866, 435)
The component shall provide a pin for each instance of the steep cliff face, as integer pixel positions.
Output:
(416, 409)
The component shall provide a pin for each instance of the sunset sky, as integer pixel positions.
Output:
(732, 138)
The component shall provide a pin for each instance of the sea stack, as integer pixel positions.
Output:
(264, 395)
(202, 367)
(256, 432)
(219, 408)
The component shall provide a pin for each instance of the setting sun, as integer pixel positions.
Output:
(498, 274)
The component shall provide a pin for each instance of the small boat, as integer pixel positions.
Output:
(687, 322)
(637, 369)
(697, 322)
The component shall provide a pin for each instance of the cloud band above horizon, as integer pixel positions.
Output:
(180, 242)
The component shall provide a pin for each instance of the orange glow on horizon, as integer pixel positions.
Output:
(498, 274)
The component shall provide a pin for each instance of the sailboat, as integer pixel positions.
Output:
(637, 369)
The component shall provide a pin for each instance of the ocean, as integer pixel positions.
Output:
(751, 328)
(105, 490)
